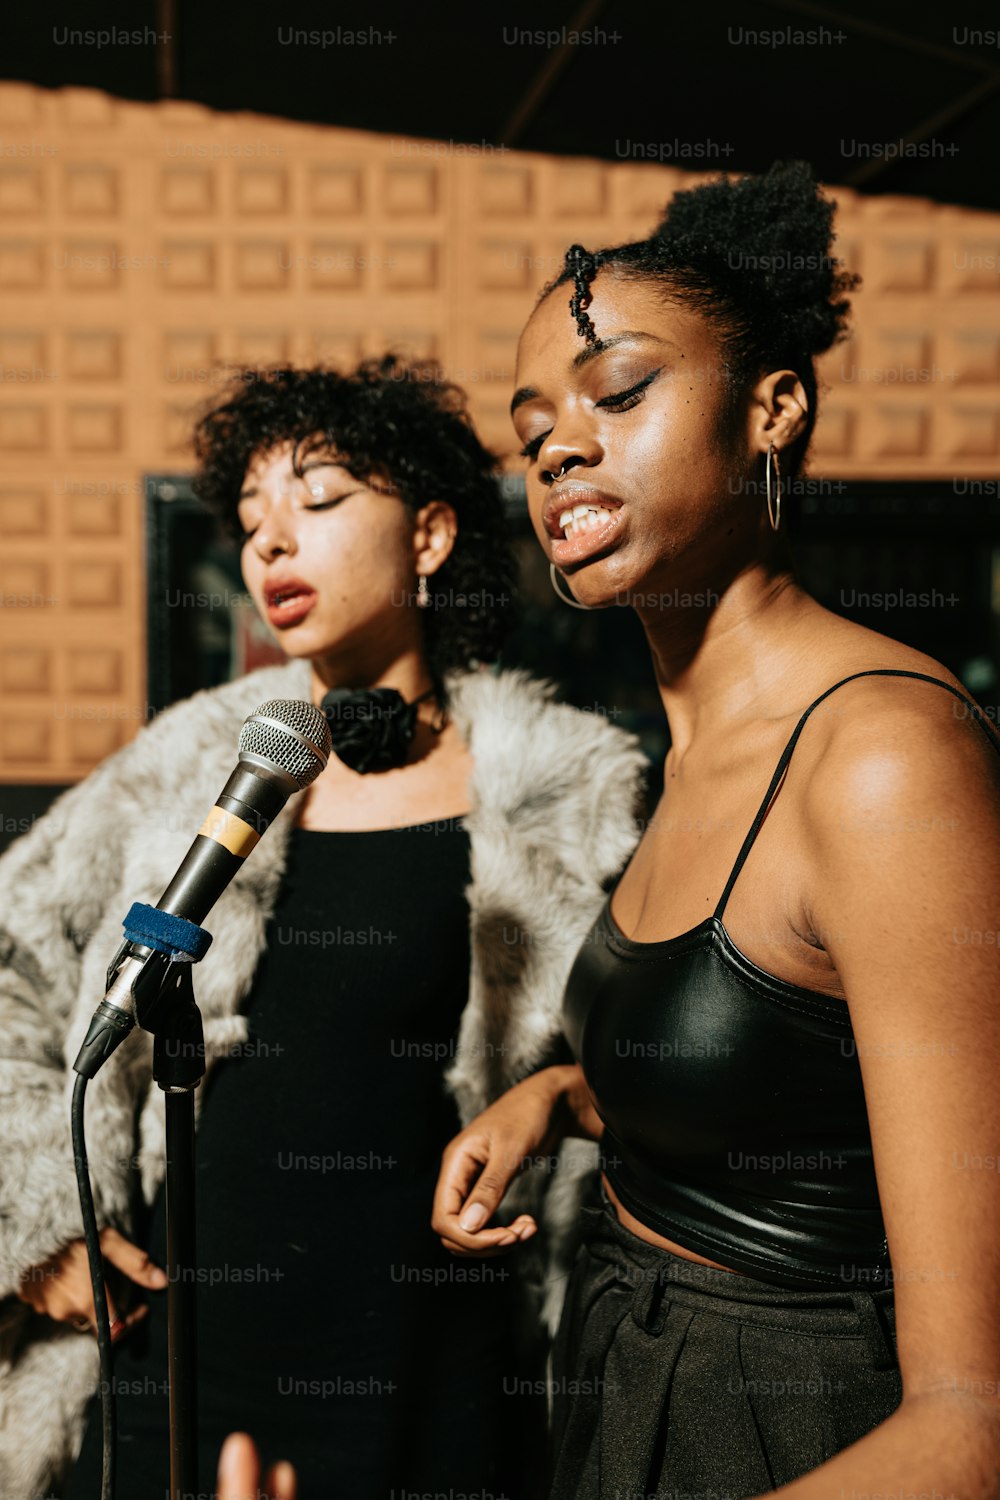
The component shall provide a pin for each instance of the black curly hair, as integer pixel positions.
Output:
(393, 422)
(753, 255)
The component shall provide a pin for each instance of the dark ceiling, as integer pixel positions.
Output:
(884, 95)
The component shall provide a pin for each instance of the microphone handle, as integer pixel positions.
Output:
(249, 802)
(244, 810)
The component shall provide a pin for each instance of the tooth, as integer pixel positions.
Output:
(565, 517)
(580, 510)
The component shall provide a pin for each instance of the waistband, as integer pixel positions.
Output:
(655, 1271)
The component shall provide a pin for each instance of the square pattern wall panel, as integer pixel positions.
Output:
(23, 513)
(23, 264)
(187, 190)
(22, 191)
(93, 354)
(22, 355)
(150, 251)
(334, 191)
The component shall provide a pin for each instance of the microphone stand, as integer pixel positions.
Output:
(283, 747)
(154, 988)
(172, 1015)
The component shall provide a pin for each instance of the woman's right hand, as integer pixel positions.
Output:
(479, 1165)
(60, 1287)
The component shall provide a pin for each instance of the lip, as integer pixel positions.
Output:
(301, 597)
(568, 496)
(574, 549)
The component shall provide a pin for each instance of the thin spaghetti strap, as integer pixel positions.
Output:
(786, 756)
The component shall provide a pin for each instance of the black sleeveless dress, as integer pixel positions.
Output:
(332, 1324)
(735, 1126)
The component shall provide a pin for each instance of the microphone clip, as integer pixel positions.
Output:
(144, 984)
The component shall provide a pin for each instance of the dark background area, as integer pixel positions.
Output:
(695, 83)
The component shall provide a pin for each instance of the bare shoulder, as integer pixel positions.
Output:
(902, 741)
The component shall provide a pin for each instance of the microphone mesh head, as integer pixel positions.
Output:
(291, 733)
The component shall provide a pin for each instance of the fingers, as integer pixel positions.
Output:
(135, 1263)
(485, 1242)
(121, 1326)
(72, 1301)
(463, 1161)
(239, 1467)
(60, 1288)
(239, 1472)
(280, 1483)
(470, 1188)
(79, 1310)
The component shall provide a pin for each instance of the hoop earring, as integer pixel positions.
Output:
(566, 599)
(772, 458)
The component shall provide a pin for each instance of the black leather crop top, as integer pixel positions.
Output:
(733, 1102)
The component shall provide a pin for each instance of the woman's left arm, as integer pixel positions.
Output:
(903, 818)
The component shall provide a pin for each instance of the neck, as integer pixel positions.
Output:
(408, 673)
(731, 659)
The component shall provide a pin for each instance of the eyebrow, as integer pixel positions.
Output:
(529, 392)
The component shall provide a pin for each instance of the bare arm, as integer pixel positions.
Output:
(905, 823)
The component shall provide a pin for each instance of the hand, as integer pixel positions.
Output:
(239, 1473)
(60, 1287)
(479, 1165)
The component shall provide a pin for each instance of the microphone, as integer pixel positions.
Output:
(284, 745)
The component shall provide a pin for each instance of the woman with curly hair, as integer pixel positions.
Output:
(362, 998)
(793, 1267)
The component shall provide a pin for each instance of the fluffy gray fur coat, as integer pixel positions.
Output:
(555, 792)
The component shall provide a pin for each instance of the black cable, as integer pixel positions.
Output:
(92, 1238)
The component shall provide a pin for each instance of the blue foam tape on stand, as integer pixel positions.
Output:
(182, 939)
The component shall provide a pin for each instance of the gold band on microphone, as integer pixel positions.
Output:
(232, 832)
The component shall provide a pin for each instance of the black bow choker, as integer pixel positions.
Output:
(371, 728)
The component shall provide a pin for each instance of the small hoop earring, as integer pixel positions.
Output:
(772, 458)
(566, 599)
(423, 592)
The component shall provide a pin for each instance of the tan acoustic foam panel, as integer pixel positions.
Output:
(146, 250)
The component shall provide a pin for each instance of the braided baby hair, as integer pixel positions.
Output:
(753, 256)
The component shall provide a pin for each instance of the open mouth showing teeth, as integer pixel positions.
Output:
(578, 518)
(283, 598)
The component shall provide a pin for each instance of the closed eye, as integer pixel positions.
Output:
(530, 449)
(317, 504)
(622, 400)
(619, 401)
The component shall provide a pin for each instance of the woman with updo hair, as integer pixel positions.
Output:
(783, 1045)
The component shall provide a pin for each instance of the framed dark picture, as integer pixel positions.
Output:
(202, 627)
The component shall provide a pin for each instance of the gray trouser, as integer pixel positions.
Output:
(677, 1381)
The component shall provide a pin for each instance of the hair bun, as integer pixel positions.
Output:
(765, 241)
